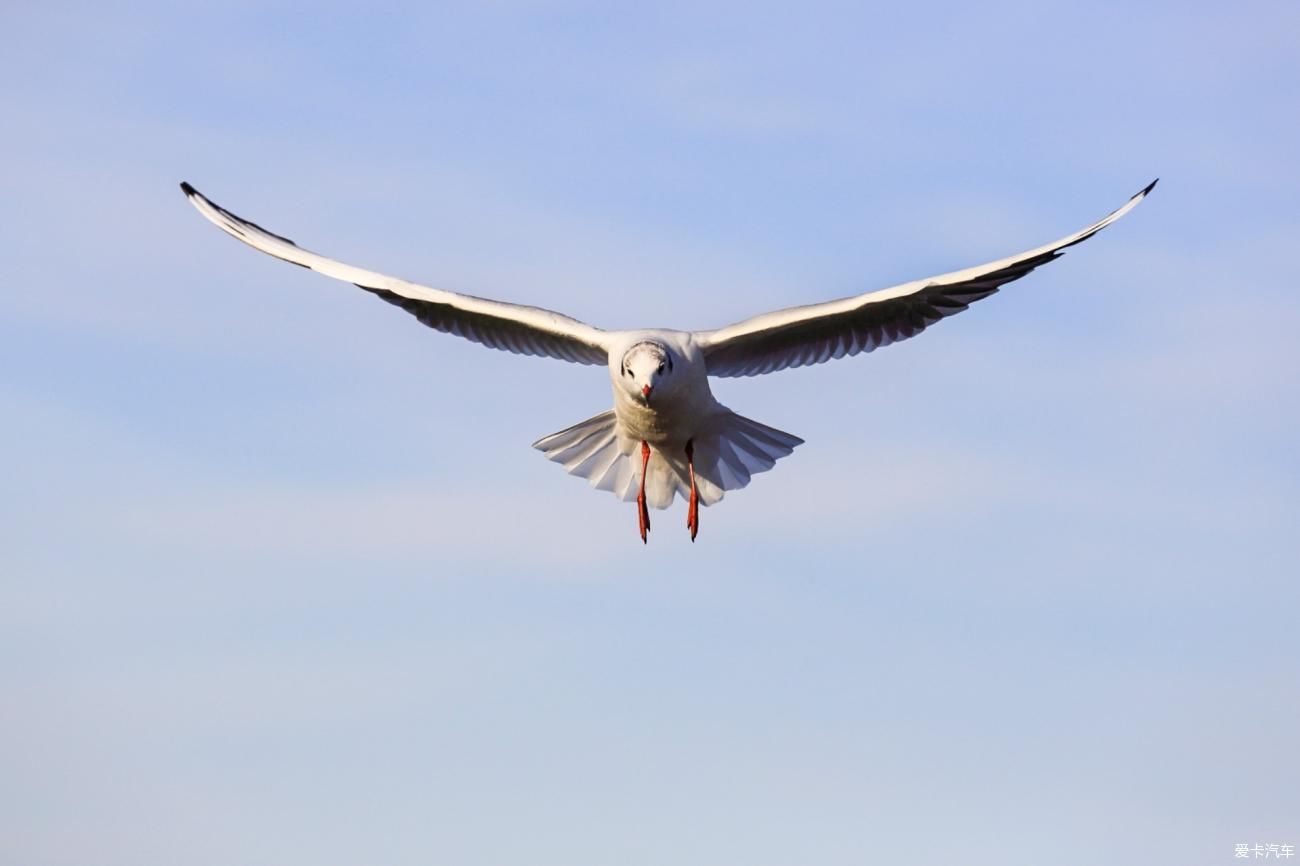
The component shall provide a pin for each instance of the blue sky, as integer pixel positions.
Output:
(282, 582)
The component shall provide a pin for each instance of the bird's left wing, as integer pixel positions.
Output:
(511, 327)
(819, 332)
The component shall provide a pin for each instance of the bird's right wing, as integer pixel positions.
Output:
(498, 325)
(819, 332)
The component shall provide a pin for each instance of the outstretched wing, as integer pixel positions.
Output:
(514, 328)
(819, 332)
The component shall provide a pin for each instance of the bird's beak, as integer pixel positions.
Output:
(645, 390)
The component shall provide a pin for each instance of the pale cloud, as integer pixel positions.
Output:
(520, 528)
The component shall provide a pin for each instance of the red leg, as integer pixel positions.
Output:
(643, 513)
(692, 510)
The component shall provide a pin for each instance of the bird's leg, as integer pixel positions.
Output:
(692, 510)
(643, 513)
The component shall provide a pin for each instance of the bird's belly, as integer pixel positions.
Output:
(668, 424)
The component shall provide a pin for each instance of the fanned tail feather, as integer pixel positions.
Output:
(729, 449)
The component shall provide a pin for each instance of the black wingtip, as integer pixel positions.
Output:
(1149, 187)
(188, 190)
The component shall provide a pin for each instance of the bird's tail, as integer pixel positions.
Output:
(728, 449)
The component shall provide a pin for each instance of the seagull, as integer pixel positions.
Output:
(666, 434)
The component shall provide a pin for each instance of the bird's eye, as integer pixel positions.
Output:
(661, 369)
(627, 371)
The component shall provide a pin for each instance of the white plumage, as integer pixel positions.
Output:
(666, 433)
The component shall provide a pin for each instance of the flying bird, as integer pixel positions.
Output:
(666, 434)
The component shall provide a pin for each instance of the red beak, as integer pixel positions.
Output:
(645, 390)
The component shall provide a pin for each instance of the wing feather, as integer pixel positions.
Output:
(497, 325)
(816, 333)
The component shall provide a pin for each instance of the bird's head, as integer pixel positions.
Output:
(645, 367)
